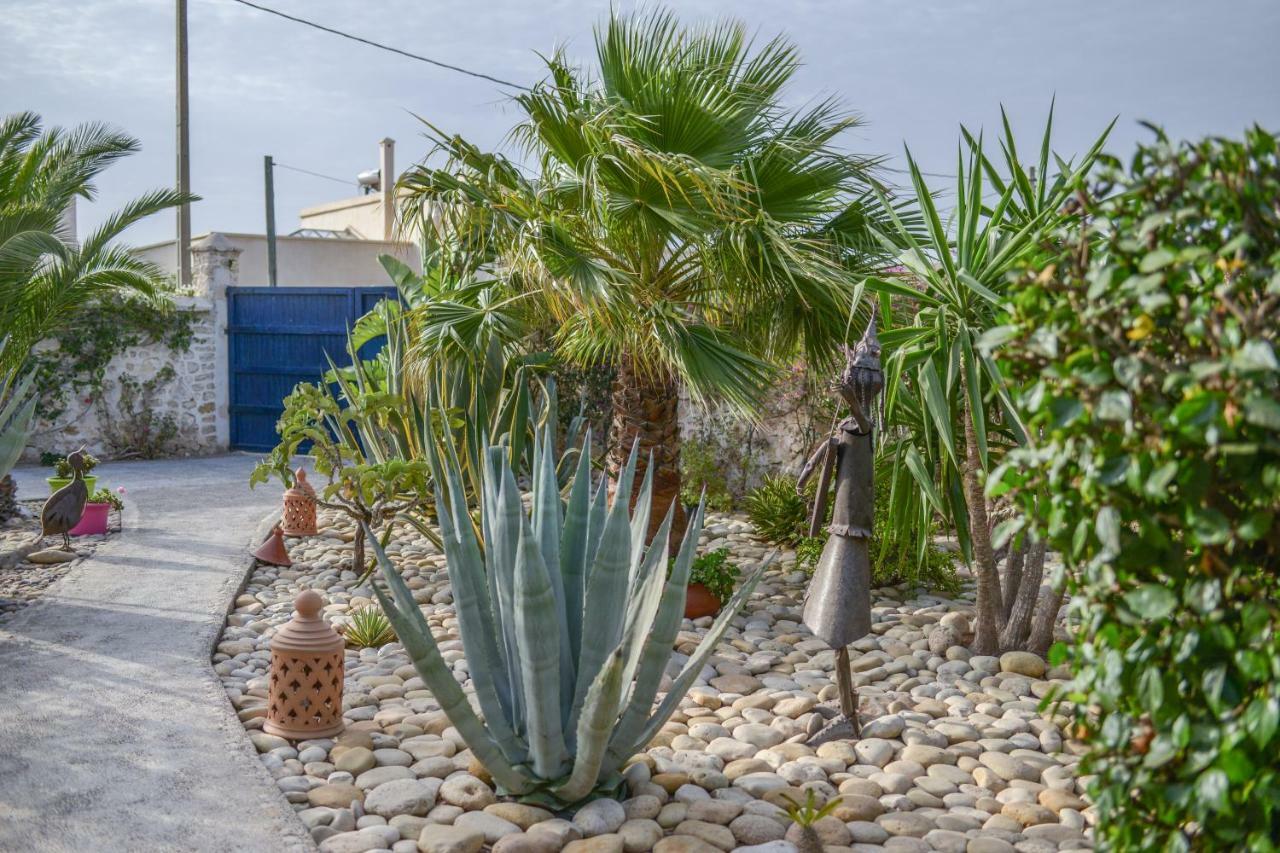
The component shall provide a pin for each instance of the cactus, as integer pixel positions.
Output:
(568, 619)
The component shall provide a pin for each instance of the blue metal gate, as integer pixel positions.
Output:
(278, 337)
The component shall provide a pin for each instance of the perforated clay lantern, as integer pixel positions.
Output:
(299, 507)
(306, 674)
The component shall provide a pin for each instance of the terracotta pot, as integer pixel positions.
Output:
(700, 602)
(93, 521)
(56, 483)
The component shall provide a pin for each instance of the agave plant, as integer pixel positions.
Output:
(567, 617)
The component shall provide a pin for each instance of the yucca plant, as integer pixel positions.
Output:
(368, 628)
(567, 616)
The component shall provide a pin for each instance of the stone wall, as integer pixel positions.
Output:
(195, 396)
(188, 397)
(777, 441)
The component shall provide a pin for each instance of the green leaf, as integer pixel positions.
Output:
(1255, 355)
(1261, 719)
(1151, 601)
(1107, 528)
(1212, 787)
(1262, 411)
(1114, 406)
(1157, 259)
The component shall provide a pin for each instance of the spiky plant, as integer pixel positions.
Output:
(368, 628)
(568, 619)
(804, 816)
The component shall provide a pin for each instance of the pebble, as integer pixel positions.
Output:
(955, 753)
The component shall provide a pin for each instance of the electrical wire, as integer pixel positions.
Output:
(313, 174)
(370, 43)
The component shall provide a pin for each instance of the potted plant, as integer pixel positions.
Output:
(97, 512)
(62, 473)
(711, 582)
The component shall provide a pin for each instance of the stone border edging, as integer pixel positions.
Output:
(294, 835)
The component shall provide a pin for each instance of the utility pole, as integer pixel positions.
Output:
(268, 176)
(184, 151)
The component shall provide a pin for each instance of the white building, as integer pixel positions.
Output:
(337, 244)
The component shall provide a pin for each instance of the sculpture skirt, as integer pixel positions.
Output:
(837, 606)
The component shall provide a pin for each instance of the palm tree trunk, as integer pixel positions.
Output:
(1015, 632)
(8, 498)
(647, 409)
(986, 639)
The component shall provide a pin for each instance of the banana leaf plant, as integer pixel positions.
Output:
(568, 619)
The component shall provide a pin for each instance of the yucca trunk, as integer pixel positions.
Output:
(647, 410)
(986, 635)
(1046, 617)
(8, 498)
(1024, 605)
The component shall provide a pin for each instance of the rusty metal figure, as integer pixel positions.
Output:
(837, 607)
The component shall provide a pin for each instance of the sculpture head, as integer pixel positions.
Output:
(76, 461)
(862, 379)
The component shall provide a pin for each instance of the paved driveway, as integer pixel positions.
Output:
(114, 732)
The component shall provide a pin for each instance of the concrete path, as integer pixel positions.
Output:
(115, 734)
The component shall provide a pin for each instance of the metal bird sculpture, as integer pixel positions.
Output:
(65, 507)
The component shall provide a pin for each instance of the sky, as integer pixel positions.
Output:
(914, 70)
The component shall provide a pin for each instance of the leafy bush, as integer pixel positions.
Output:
(779, 513)
(1154, 390)
(62, 468)
(701, 472)
(809, 551)
(369, 628)
(106, 496)
(714, 571)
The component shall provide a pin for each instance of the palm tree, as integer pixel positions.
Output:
(947, 406)
(677, 221)
(46, 278)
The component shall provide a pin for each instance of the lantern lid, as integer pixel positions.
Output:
(301, 488)
(307, 632)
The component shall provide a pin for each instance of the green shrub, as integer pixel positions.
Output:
(714, 571)
(701, 469)
(1148, 352)
(809, 551)
(62, 468)
(369, 628)
(779, 513)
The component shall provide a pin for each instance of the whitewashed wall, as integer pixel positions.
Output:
(196, 396)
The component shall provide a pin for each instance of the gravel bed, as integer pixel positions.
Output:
(24, 576)
(955, 756)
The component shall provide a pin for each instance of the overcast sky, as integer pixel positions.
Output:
(914, 69)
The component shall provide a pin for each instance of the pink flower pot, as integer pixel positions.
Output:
(93, 521)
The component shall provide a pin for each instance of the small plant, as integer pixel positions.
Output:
(62, 468)
(369, 628)
(805, 815)
(133, 428)
(808, 552)
(106, 496)
(701, 472)
(714, 571)
(780, 514)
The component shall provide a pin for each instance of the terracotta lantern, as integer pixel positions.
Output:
(300, 507)
(306, 674)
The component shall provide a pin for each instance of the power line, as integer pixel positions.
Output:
(370, 43)
(314, 174)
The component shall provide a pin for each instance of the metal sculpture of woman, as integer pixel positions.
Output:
(837, 607)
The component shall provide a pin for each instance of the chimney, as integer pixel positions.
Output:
(387, 186)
